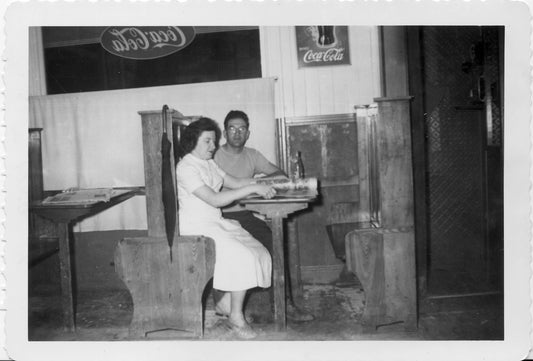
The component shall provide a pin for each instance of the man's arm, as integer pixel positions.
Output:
(263, 166)
(273, 171)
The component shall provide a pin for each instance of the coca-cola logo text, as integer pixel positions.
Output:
(146, 42)
(330, 55)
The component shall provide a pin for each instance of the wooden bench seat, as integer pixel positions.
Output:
(167, 295)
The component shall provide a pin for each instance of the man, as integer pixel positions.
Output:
(243, 162)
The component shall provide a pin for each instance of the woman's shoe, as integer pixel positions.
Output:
(248, 318)
(245, 332)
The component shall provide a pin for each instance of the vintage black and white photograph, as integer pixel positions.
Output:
(267, 184)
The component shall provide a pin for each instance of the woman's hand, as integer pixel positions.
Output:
(265, 191)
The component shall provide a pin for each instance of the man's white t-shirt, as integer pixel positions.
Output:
(246, 164)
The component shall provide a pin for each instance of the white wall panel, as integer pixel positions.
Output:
(320, 90)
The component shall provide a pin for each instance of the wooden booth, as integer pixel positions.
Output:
(165, 274)
(383, 257)
(363, 163)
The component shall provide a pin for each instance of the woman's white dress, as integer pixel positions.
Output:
(242, 262)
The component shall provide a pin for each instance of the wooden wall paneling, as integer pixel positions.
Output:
(327, 95)
(294, 85)
(341, 85)
(310, 94)
(271, 66)
(364, 55)
(347, 85)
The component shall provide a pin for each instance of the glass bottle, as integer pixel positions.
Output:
(299, 172)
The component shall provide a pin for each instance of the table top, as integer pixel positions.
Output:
(68, 212)
(276, 200)
(116, 195)
(290, 196)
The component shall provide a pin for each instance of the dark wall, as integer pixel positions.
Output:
(210, 57)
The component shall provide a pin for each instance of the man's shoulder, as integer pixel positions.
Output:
(252, 151)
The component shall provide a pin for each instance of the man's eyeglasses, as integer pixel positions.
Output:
(235, 130)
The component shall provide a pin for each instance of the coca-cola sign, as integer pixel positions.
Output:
(146, 42)
(320, 45)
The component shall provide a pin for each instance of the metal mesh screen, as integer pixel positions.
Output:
(455, 156)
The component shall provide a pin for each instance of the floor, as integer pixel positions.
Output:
(104, 315)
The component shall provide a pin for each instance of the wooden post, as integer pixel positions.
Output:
(276, 212)
(384, 258)
(39, 229)
(152, 131)
(167, 296)
(397, 206)
(296, 288)
(278, 270)
(67, 301)
(395, 164)
(35, 162)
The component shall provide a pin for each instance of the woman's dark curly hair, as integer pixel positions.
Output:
(190, 135)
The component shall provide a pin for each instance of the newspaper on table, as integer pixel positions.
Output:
(291, 188)
(80, 196)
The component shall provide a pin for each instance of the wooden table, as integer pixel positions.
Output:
(65, 216)
(275, 210)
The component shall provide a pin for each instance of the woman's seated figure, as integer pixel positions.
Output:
(241, 262)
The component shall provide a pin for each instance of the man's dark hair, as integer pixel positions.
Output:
(234, 114)
(190, 135)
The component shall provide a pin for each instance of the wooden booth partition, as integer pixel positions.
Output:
(167, 292)
(338, 150)
(42, 233)
(384, 258)
(329, 148)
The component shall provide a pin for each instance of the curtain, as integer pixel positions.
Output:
(94, 139)
(37, 79)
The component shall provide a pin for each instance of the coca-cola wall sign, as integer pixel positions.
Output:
(146, 42)
(322, 45)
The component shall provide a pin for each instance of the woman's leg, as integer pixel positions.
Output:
(236, 321)
(223, 303)
(236, 315)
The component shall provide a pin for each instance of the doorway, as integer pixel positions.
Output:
(456, 76)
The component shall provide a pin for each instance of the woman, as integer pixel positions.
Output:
(241, 262)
